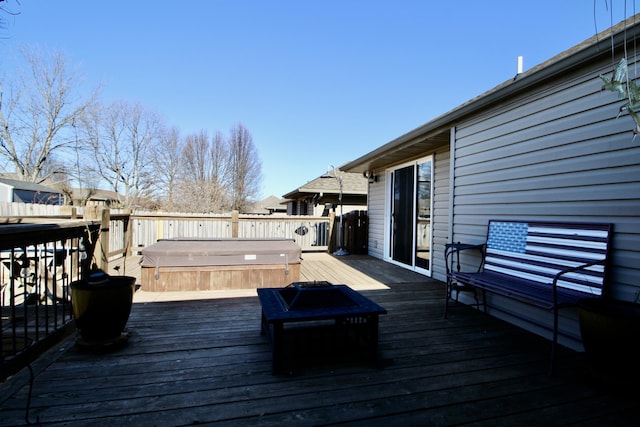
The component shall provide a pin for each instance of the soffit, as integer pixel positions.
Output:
(391, 155)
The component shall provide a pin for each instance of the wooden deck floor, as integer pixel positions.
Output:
(203, 361)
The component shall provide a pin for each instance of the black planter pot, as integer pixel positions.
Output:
(101, 308)
(610, 332)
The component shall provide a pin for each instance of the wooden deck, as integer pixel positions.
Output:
(203, 361)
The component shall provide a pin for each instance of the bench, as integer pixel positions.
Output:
(544, 264)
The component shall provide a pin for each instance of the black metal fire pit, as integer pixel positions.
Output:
(299, 296)
(352, 314)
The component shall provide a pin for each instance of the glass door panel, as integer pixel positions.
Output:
(402, 215)
(410, 214)
(423, 215)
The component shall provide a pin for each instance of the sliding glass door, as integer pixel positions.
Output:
(402, 215)
(409, 225)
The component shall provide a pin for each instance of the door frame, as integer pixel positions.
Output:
(389, 199)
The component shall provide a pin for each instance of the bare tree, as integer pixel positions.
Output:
(167, 159)
(219, 153)
(37, 116)
(245, 168)
(196, 157)
(202, 187)
(123, 143)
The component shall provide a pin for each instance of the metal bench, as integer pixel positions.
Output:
(544, 264)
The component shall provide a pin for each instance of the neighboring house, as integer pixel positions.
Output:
(321, 195)
(545, 145)
(12, 190)
(96, 197)
(272, 205)
(110, 199)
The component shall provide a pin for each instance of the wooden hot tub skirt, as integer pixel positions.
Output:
(200, 264)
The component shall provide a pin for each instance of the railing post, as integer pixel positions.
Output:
(128, 234)
(72, 211)
(101, 253)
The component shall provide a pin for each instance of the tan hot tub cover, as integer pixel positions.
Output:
(205, 252)
(213, 264)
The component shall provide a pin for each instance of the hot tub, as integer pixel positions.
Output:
(202, 264)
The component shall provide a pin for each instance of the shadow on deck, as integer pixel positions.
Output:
(203, 361)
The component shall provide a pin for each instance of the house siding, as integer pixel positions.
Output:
(376, 212)
(440, 212)
(6, 193)
(556, 154)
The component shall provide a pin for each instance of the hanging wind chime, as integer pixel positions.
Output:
(626, 88)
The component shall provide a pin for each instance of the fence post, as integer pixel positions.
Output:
(235, 219)
(159, 229)
(70, 211)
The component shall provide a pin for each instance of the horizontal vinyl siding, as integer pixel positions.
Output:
(376, 204)
(559, 154)
(440, 212)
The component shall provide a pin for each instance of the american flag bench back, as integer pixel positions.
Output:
(538, 251)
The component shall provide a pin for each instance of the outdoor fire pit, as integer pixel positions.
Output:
(314, 295)
(352, 317)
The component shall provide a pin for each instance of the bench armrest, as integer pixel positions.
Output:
(571, 270)
(456, 248)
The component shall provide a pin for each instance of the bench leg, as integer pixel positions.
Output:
(447, 295)
(554, 343)
(475, 297)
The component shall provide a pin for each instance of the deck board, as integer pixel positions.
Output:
(203, 361)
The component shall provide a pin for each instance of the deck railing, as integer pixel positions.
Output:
(38, 263)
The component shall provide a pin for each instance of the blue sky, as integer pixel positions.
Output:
(315, 82)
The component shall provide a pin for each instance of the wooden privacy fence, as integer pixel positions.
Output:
(311, 233)
(124, 232)
(355, 232)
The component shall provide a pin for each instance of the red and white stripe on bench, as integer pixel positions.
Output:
(538, 251)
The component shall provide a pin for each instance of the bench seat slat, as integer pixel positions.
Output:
(519, 289)
(590, 280)
(574, 281)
